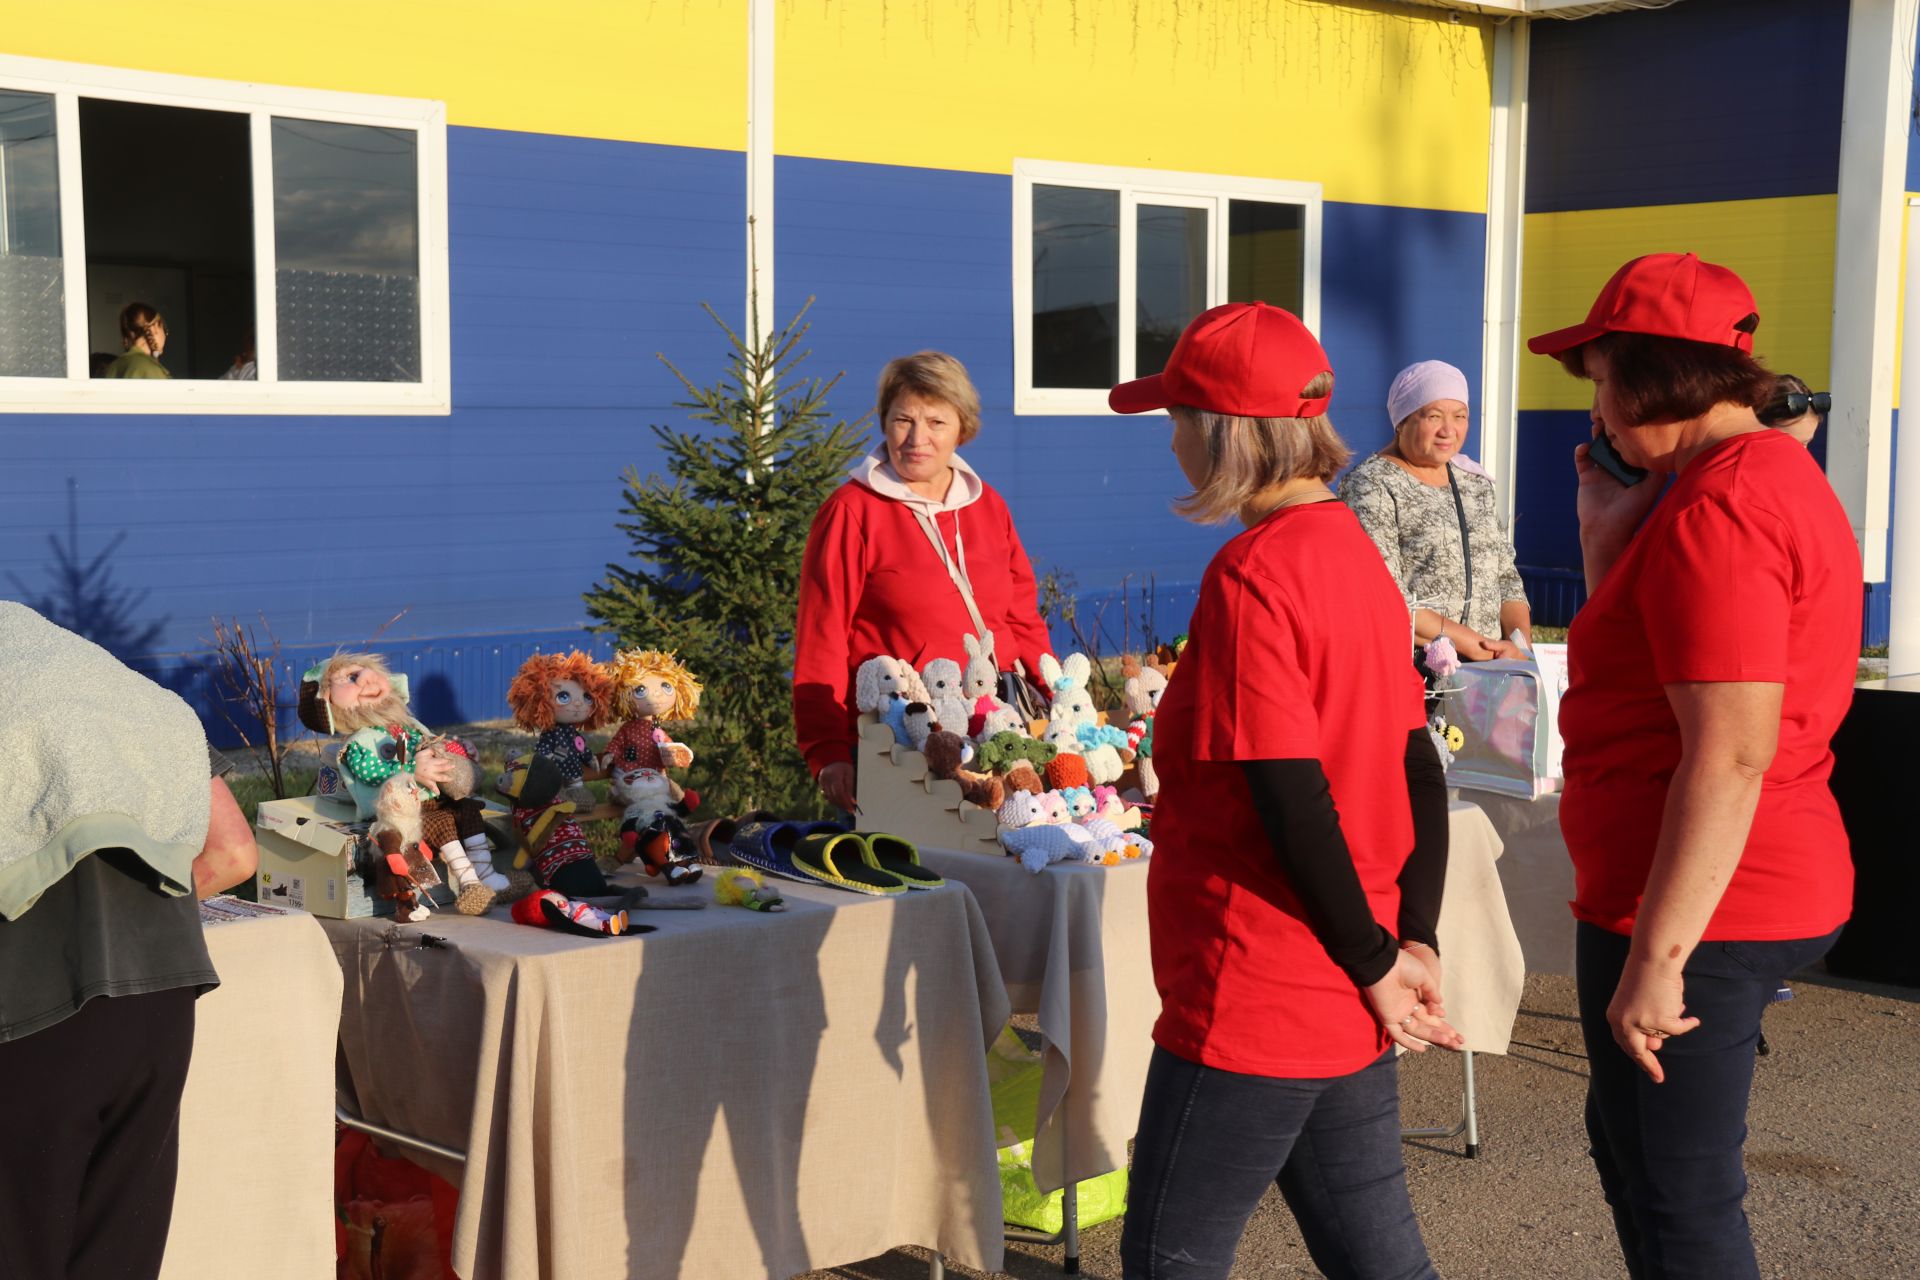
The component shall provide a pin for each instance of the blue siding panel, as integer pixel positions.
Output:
(901, 259)
(572, 262)
(1708, 100)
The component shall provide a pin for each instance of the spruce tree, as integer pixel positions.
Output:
(714, 573)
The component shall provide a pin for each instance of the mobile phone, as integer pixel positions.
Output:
(1601, 450)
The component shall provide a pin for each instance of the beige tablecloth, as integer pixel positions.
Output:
(1536, 874)
(1072, 947)
(255, 1193)
(735, 1095)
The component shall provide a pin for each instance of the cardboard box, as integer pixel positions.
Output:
(312, 852)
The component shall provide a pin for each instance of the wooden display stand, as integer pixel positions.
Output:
(898, 797)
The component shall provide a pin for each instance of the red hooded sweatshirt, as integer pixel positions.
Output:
(872, 585)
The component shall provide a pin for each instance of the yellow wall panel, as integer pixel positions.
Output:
(1384, 104)
(1782, 248)
(667, 71)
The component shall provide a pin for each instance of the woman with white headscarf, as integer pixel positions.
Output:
(1432, 514)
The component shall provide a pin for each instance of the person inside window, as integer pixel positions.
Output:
(143, 332)
(1432, 514)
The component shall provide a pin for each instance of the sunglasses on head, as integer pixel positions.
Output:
(1792, 404)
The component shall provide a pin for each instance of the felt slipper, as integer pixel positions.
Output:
(899, 857)
(767, 844)
(843, 860)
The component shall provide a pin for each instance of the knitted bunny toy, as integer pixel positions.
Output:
(950, 705)
(885, 686)
(1072, 700)
(980, 686)
(1142, 690)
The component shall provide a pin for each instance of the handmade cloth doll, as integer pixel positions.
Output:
(651, 687)
(355, 694)
(403, 872)
(548, 909)
(745, 887)
(563, 697)
(550, 834)
(649, 828)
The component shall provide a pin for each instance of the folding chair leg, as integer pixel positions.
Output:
(1070, 1229)
(937, 1267)
(1473, 1115)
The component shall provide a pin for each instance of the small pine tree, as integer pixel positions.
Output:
(716, 552)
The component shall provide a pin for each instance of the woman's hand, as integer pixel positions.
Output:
(1609, 512)
(1403, 1002)
(836, 784)
(1648, 1008)
(1471, 645)
(1430, 995)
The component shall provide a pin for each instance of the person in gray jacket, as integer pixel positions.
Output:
(114, 820)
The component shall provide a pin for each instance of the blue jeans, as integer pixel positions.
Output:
(1670, 1155)
(1211, 1142)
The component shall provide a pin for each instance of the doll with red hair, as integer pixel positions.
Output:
(562, 697)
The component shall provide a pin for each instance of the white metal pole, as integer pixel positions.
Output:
(760, 42)
(1903, 579)
(1506, 213)
(1873, 168)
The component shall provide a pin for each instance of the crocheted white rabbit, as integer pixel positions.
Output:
(944, 685)
(980, 686)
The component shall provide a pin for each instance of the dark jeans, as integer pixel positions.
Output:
(1669, 1154)
(1211, 1142)
(91, 1143)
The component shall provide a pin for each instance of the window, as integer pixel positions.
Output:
(292, 242)
(1111, 264)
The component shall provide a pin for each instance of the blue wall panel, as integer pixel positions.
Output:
(1708, 100)
(899, 259)
(572, 262)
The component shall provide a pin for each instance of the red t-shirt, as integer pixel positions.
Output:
(871, 585)
(1746, 571)
(1297, 650)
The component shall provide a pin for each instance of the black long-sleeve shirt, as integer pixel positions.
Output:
(1303, 827)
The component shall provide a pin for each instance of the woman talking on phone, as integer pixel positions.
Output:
(1709, 669)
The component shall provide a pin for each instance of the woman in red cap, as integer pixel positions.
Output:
(1709, 669)
(1301, 838)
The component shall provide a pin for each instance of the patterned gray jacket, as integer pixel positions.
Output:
(1418, 533)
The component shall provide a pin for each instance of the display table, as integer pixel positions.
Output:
(1072, 948)
(256, 1120)
(1536, 874)
(736, 1094)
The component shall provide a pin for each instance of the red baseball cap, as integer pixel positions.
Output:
(1668, 295)
(1244, 359)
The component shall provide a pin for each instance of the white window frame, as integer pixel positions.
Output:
(1137, 187)
(78, 393)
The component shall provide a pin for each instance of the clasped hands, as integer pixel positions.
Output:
(1407, 1002)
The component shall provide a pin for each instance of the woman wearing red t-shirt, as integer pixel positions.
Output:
(907, 558)
(1300, 837)
(1709, 669)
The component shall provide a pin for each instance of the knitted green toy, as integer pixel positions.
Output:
(1005, 747)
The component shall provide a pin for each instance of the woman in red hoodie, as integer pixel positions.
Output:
(910, 555)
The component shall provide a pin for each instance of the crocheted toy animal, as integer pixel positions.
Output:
(1142, 691)
(1104, 765)
(651, 687)
(1072, 699)
(947, 754)
(999, 752)
(980, 686)
(563, 697)
(885, 686)
(942, 677)
(1038, 843)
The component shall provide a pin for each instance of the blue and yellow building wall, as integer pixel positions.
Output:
(597, 172)
(1712, 126)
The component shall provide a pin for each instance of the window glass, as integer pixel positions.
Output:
(1170, 282)
(1267, 253)
(346, 219)
(1076, 287)
(33, 296)
(169, 218)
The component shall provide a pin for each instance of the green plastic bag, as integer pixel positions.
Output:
(1014, 1073)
